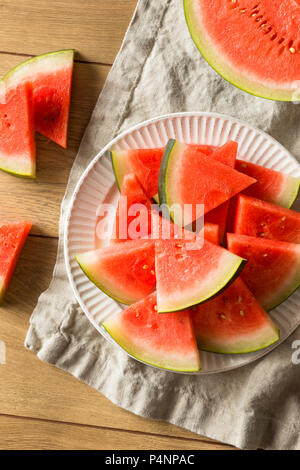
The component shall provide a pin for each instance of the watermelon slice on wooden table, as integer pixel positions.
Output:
(133, 218)
(233, 322)
(123, 271)
(17, 146)
(193, 185)
(262, 219)
(12, 238)
(272, 271)
(225, 154)
(271, 186)
(165, 341)
(254, 45)
(50, 76)
(189, 273)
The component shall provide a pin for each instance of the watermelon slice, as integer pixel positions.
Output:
(145, 163)
(133, 219)
(17, 146)
(50, 76)
(226, 155)
(233, 322)
(253, 45)
(272, 272)
(189, 185)
(12, 238)
(211, 233)
(258, 218)
(166, 341)
(124, 271)
(272, 186)
(190, 273)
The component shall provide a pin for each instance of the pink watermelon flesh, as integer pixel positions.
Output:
(262, 219)
(272, 186)
(190, 273)
(226, 155)
(212, 233)
(272, 271)
(50, 76)
(17, 146)
(254, 45)
(166, 341)
(133, 219)
(124, 271)
(233, 322)
(12, 238)
(187, 181)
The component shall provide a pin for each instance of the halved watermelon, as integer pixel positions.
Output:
(225, 154)
(191, 186)
(124, 271)
(258, 218)
(271, 186)
(189, 273)
(12, 238)
(254, 45)
(50, 76)
(233, 322)
(272, 271)
(133, 219)
(166, 341)
(17, 146)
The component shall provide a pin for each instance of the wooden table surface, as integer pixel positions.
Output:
(42, 407)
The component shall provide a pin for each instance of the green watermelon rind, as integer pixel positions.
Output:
(248, 350)
(31, 175)
(103, 288)
(55, 57)
(294, 194)
(162, 183)
(229, 279)
(207, 50)
(126, 345)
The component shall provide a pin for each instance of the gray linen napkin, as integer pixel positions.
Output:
(158, 71)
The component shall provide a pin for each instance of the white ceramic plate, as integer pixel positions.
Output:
(97, 185)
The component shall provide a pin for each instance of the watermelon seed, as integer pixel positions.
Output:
(283, 219)
(178, 245)
(137, 315)
(265, 255)
(262, 224)
(242, 11)
(223, 316)
(152, 272)
(145, 266)
(155, 308)
(240, 299)
(261, 234)
(242, 313)
(244, 165)
(292, 50)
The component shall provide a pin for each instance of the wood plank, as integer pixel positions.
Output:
(40, 200)
(31, 388)
(95, 28)
(27, 434)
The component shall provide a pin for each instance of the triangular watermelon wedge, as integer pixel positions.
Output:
(233, 322)
(191, 186)
(191, 272)
(262, 219)
(272, 271)
(272, 186)
(17, 146)
(123, 271)
(133, 220)
(50, 76)
(225, 154)
(165, 341)
(12, 238)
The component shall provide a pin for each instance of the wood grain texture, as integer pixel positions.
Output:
(39, 435)
(95, 28)
(31, 388)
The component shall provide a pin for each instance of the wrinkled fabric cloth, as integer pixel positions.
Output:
(157, 71)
